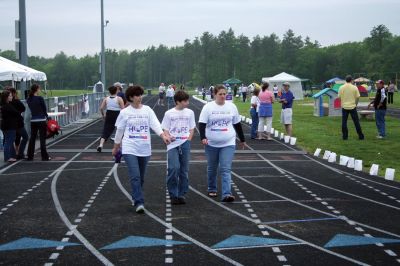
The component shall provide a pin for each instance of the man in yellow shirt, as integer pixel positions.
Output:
(349, 96)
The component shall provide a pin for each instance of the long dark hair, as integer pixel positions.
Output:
(4, 97)
(34, 89)
(265, 86)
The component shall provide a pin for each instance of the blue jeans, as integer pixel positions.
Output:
(178, 168)
(9, 139)
(170, 102)
(254, 125)
(219, 158)
(354, 115)
(380, 122)
(136, 170)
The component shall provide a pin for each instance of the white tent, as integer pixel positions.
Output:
(295, 83)
(10, 70)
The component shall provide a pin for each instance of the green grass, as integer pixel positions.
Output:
(325, 133)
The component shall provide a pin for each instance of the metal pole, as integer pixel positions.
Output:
(23, 42)
(103, 56)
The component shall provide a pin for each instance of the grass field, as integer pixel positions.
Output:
(325, 132)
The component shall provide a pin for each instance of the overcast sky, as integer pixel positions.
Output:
(73, 26)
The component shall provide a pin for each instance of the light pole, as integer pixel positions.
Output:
(22, 47)
(103, 55)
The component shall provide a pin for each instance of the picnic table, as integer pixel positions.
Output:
(366, 114)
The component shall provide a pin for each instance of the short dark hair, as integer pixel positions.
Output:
(265, 86)
(219, 87)
(135, 90)
(181, 96)
(349, 78)
(112, 89)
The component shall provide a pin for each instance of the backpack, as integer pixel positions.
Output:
(53, 128)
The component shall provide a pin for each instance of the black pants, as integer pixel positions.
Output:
(354, 115)
(244, 94)
(109, 124)
(36, 127)
(390, 97)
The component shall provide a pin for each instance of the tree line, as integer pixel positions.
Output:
(210, 59)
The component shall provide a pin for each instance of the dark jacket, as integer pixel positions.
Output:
(9, 117)
(20, 107)
(377, 100)
(38, 108)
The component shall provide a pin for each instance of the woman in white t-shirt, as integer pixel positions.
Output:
(218, 124)
(133, 130)
(254, 101)
(113, 104)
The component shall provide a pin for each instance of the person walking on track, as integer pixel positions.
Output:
(218, 124)
(254, 101)
(179, 123)
(113, 104)
(38, 123)
(133, 132)
(8, 125)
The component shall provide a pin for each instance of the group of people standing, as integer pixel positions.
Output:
(261, 110)
(13, 126)
(349, 96)
(219, 123)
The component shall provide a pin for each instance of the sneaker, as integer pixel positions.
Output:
(140, 209)
(99, 148)
(46, 159)
(182, 200)
(175, 201)
(379, 137)
(229, 198)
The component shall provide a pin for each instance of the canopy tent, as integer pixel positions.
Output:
(10, 70)
(335, 80)
(295, 83)
(232, 81)
(363, 91)
(361, 80)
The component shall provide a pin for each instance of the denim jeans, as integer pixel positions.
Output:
(219, 159)
(254, 125)
(170, 102)
(9, 138)
(136, 170)
(380, 121)
(178, 169)
(24, 135)
(354, 115)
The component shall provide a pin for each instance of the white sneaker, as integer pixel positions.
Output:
(140, 209)
(379, 137)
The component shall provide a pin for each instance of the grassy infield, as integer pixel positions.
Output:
(325, 133)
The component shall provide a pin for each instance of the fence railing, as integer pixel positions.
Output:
(68, 109)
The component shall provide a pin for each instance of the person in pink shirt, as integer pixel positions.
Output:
(265, 111)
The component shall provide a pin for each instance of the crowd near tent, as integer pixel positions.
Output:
(12, 71)
(295, 83)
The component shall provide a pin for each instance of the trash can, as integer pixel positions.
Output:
(149, 92)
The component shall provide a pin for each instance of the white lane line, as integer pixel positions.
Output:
(312, 208)
(278, 231)
(64, 217)
(54, 256)
(177, 231)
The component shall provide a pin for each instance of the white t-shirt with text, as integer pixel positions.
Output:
(136, 124)
(220, 120)
(178, 123)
